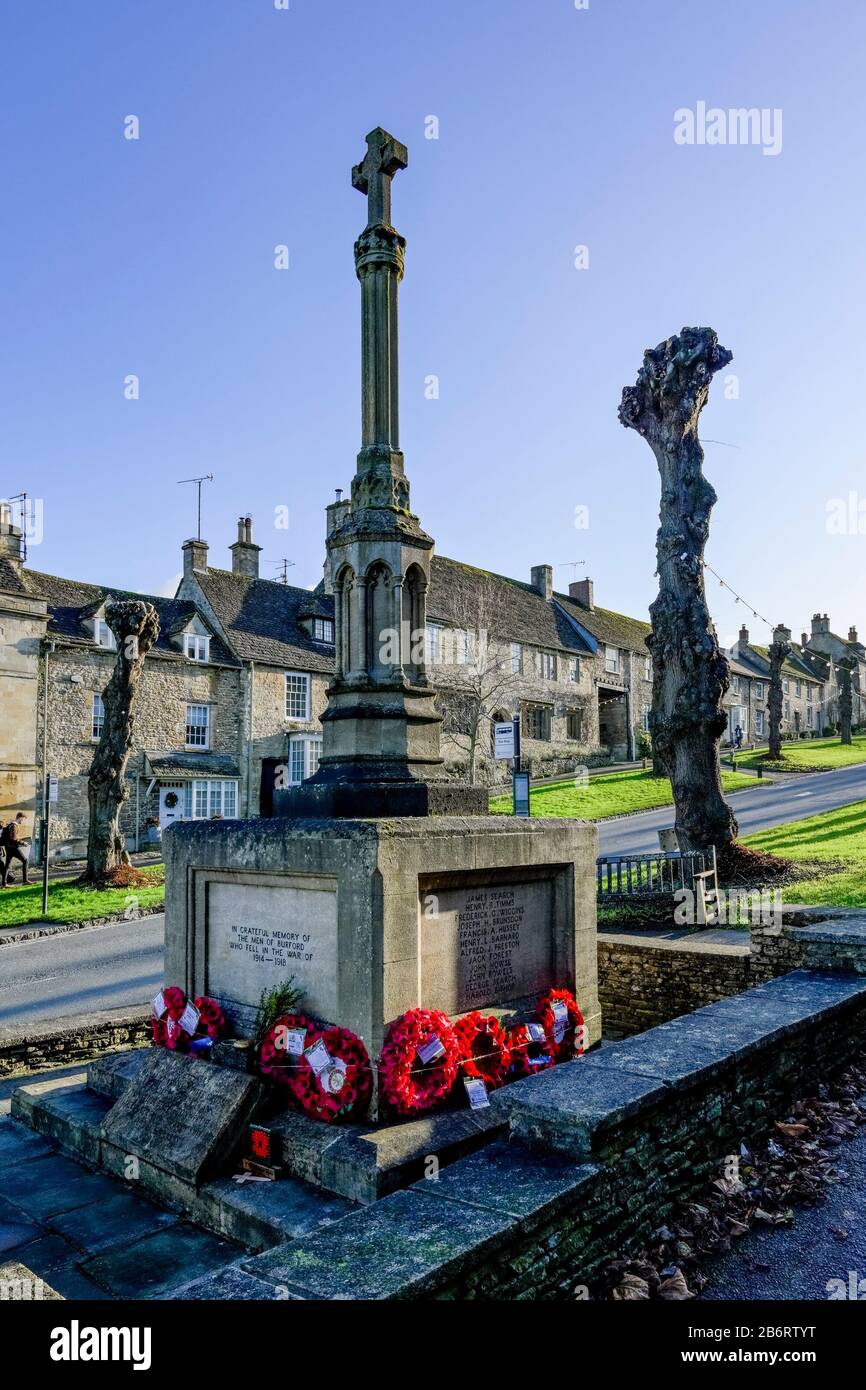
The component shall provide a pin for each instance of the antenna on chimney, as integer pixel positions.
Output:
(205, 478)
(574, 564)
(285, 565)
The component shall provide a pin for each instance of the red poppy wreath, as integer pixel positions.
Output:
(419, 1062)
(559, 1014)
(484, 1049)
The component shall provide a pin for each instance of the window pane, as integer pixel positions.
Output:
(230, 798)
(201, 800)
(296, 696)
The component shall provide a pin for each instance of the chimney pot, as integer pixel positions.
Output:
(744, 635)
(194, 557)
(245, 555)
(541, 580)
(852, 634)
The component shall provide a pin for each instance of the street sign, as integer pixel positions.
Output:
(521, 793)
(503, 739)
(52, 788)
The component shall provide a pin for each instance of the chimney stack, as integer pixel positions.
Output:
(194, 557)
(11, 537)
(744, 636)
(781, 633)
(581, 591)
(852, 634)
(542, 580)
(820, 624)
(245, 555)
(804, 639)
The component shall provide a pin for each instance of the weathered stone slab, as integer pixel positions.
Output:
(260, 1215)
(159, 1262)
(109, 1076)
(514, 1179)
(485, 943)
(20, 1284)
(232, 1283)
(397, 1248)
(183, 1115)
(47, 1186)
(118, 1219)
(258, 935)
(570, 1107)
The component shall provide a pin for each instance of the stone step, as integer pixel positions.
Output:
(109, 1076)
(66, 1111)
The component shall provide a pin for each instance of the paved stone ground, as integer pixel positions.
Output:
(797, 1261)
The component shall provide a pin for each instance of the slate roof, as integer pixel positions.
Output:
(795, 665)
(518, 613)
(71, 602)
(183, 765)
(261, 619)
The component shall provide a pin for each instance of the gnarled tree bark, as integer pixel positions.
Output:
(846, 699)
(690, 674)
(779, 652)
(135, 625)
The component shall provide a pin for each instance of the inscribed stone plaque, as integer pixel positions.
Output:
(260, 935)
(486, 944)
(182, 1114)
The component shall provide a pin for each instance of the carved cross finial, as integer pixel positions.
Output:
(373, 175)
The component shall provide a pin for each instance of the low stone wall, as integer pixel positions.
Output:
(61, 1042)
(644, 981)
(837, 942)
(601, 1151)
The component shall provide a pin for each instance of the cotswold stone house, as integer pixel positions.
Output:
(810, 686)
(235, 685)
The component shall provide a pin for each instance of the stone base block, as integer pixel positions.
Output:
(372, 799)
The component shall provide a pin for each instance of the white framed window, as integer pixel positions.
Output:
(196, 647)
(787, 709)
(103, 636)
(798, 689)
(735, 685)
(323, 630)
(759, 690)
(297, 695)
(810, 716)
(545, 665)
(786, 686)
(210, 796)
(573, 669)
(611, 660)
(198, 726)
(647, 668)
(759, 723)
(464, 647)
(97, 718)
(516, 659)
(304, 753)
(644, 718)
(433, 643)
(810, 693)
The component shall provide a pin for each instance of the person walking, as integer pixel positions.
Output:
(12, 843)
(738, 736)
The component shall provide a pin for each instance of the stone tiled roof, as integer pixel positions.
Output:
(11, 581)
(261, 619)
(71, 602)
(183, 765)
(796, 665)
(518, 613)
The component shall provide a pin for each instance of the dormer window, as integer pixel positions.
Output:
(323, 630)
(196, 648)
(103, 636)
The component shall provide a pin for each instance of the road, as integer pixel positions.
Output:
(110, 967)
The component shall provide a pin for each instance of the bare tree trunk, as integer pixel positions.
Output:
(779, 652)
(845, 700)
(135, 625)
(690, 674)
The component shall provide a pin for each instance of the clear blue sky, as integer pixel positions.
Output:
(155, 257)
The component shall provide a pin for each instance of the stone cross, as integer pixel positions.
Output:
(384, 157)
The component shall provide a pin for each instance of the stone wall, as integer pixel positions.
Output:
(22, 626)
(64, 1041)
(270, 727)
(645, 981)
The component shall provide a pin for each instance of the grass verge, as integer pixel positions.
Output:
(615, 794)
(67, 902)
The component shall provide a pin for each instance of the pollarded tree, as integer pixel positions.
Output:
(135, 625)
(690, 673)
(778, 653)
(846, 699)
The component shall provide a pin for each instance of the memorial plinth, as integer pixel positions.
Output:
(374, 917)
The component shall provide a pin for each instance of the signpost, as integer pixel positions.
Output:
(506, 744)
(50, 800)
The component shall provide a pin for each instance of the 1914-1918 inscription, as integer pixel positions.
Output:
(486, 944)
(259, 936)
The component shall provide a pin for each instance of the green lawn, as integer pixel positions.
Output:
(836, 837)
(611, 795)
(807, 754)
(69, 903)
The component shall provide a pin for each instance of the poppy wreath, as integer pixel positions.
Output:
(572, 1041)
(340, 1092)
(528, 1054)
(274, 1062)
(406, 1084)
(166, 1030)
(484, 1049)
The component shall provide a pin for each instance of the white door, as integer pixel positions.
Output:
(170, 805)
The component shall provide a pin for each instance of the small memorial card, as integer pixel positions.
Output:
(560, 1019)
(536, 1032)
(477, 1092)
(295, 1041)
(158, 1005)
(334, 1079)
(319, 1058)
(189, 1019)
(431, 1050)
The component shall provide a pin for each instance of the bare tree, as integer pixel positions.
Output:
(690, 673)
(481, 679)
(846, 701)
(778, 653)
(135, 625)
